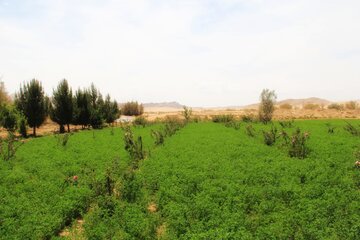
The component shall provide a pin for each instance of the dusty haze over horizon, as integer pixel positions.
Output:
(198, 53)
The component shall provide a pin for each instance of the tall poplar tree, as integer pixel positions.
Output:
(31, 102)
(61, 106)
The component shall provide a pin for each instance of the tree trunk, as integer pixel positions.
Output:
(34, 131)
(62, 129)
(68, 125)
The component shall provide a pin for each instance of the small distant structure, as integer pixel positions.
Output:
(125, 119)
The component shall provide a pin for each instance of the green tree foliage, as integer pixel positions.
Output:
(61, 106)
(31, 102)
(132, 109)
(97, 105)
(134, 147)
(91, 109)
(110, 110)
(82, 108)
(8, 117)
(267, 105)
(298, 145)
(22, 125)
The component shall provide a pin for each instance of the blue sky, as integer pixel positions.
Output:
(199, 53)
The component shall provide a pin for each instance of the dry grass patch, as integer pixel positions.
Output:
(152, 208)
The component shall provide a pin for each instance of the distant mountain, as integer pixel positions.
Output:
(163, 106)
(296, 102)
(175, 106)
(302, 102)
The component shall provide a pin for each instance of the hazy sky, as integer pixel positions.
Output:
(199, 52)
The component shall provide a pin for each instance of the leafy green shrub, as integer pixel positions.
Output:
(131, 186)
(233, 124)
(298, 145)
(65, 139)
(250, 131)
(248, 118)
(9, 146)
(96, 118)
(159, 137)
(196, 119)
(172, 125)
(270, 136)
(8, 118)
(140, 121)
(352, 129)
(223, 118)
(330, 128)
(22, 126)
(134, 147)
(285, 137)
(62, 139)
(286, 124)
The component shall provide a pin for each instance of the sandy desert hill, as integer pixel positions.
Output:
(175, 106)
(160, 110)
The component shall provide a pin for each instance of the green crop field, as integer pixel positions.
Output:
(207, 181)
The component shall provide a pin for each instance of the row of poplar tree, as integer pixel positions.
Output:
(86, 107)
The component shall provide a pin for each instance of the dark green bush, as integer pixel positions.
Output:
(22, 126)
(233, 124)
(8, 117)
(159, 137)
(140, 121)
(352, 129)
(285, 137)
(9, 146)
(248, 118)
(270, 136)
(286, 124)
(172, 125)
(298, 145)
(250, 131)
(134, 147)
(330, 128)
(96, 119)
(131, 187)
(223, 118)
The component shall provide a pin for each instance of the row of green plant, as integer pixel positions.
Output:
(211, 182)
(170, 127)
